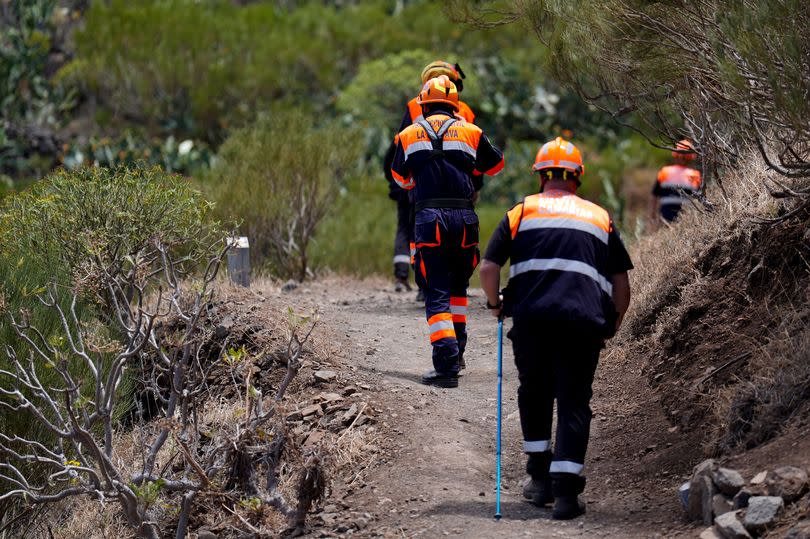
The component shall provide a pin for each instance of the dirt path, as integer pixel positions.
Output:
(438, 478)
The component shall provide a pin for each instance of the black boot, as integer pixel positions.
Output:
(440, 379)
(420, 296)
(461, 363)
(566, 488)
(567, 508)
(538, 492)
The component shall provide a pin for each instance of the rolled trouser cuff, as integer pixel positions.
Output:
(536, 446)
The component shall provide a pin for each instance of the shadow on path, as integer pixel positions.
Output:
(509, 510)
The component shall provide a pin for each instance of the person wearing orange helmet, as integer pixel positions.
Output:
(568, 291)
(675, 182)
(441, 159)
(413, 112)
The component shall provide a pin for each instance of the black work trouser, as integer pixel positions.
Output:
(555, 363)
(403, 238)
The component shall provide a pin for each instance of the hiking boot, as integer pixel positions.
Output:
(420, 296)
(538, 492)
(402, 285)
(461, 363)
(567, 508)
(440, 379)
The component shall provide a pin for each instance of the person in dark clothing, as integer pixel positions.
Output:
(568, 291)
(403, 239)
(442, 159)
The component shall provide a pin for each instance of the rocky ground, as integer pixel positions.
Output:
(436, 473)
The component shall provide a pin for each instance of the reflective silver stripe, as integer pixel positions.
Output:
(542, 164)
(566, 466)
(402, 259)
(668, 201)
(458, 309)
(536, 446)
(413, 251)
(420, 117)
(563, 222)
(571, 164)
(417, 146)
(406, 184)
(440, 325)
(458, 145)
(562, 264)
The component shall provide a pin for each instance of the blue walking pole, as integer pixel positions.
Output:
(498, 445)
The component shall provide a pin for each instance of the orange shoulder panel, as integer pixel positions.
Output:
(514, 215)
(414, 109)
(466, 112)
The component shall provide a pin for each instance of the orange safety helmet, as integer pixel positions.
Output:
(440, 67)
(439, 90)
(559, 153)
(687, 152)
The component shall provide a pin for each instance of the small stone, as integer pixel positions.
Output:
(349, 414)
(203, 533)
(312, 409)
(329, 397)
(728, 481)
(683, 495)
(729, 527)
(707, 467)
(741, 498)
(800, 531)
(788, 482)
(762, 512)
(314, 439)
(710, 533)
(759, 478)
(295, 416)
(289, 286)
(325, 376)
(721, 505)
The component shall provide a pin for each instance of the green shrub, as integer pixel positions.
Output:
(278, 179)
(87, 225)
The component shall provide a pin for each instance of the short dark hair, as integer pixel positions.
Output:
(429, 108)
(559, 174)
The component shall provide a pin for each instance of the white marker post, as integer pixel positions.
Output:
(239, 261)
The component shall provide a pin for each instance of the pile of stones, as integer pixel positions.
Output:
(735, 509)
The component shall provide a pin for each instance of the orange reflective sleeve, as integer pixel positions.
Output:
(514, 215)
(466, 112)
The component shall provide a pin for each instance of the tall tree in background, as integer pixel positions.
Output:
(728, 74)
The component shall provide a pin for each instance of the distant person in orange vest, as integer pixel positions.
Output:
(675, 182)
(568, 291)
(403, 240)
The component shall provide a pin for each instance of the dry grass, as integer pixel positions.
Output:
(258, 317)
(720, 314)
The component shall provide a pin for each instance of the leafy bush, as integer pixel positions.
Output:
(280, 178)
(31, 107)
(82, 227)
(186, 157)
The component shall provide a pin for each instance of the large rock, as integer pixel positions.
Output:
(701, 491)
(324, 376)
(721, 505)
(728, 481)
(762, 512)
(788, 482)
(730, 527)
(741, 498)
